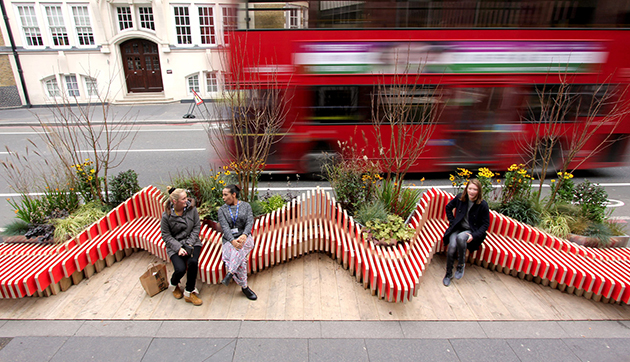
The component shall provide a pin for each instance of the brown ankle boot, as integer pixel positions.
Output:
(177, 292)
(194, 299)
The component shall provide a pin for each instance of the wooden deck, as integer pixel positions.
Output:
(312, 287)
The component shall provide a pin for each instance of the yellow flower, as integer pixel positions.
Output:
(16, 211)
(553, 180)
(498, 181)
(227, 173)
(213, 188)
(92, 171)
(453, 183)
(452, 178)
(90, 178)
(422, 179)
(221, 182)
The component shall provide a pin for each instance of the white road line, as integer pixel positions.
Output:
(115, 131)
(149, 150)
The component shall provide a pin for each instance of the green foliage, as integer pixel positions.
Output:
(487, 178)
(402, 204)
(123, 186)
(617, 228)
(72, 225)
(272, 203)
(371, 211)
(354, 182)
(28, 209)
(521, 209)
(564, 187)
(578, 225)
(388, 232)
(16, 227)
(601, 231)
(556, 224)
(57, 201)
(88, 182)
(517, 185)
(205, 188)
(592, 198)
(257, 208)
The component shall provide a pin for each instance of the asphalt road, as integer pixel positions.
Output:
(164, 149)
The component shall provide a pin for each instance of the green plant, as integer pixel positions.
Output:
(272, 203)
(205, 188)
(257, 208)
(88, 182)
(72, 225)
(592, 198)
(578, 225)
(564, 187)
(388, 232)
(353, 178)
(616, 227)
(517, 184)
(122, 187)
(521, 209)
(16, 227)
(556, 224)
(371, 211)
(601, 232)
(29, 209)
(404, 204)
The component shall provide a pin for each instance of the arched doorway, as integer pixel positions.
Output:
(141, 61)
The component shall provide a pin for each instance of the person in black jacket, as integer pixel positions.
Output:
(180, 228)
(469, 218)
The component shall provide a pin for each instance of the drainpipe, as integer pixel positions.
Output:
(15, 54)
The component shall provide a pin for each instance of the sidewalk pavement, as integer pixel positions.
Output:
(136, 114)
(77, 340)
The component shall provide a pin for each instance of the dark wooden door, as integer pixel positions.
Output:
(142, 66)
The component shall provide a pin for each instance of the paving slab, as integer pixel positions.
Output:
(280, 329)
(4, 341)
(119, 328)
(595, 329)
(2, 322)
(403, 350)
(103, 349)
(224, 354)
(185, 349)
(483, 350)
(536, 329)
(271, 350)
(22, 349)
(543, 350)
(199, 329)
(363, 329)
(15, 328)
(592, 349)
(442, 330)
(340, 350)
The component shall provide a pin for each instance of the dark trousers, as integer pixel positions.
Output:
(456, 245)
(183, 263)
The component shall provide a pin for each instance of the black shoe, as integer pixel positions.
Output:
(228, 278)
(249, 293)
(447, 280)
(459, 273)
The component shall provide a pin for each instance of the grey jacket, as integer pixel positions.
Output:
(244, 221)
(177, 230)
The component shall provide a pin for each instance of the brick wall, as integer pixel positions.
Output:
(6, 73)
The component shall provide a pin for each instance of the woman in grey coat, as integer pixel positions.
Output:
(180, 228)
(236, 219)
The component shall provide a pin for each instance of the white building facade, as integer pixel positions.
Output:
(119, 51)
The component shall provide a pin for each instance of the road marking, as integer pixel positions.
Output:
(147, 150)
(115, 131)
(614, 203)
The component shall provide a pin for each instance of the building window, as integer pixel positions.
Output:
(193, 83)
(182, 25)
(29, 25)
(294, 18)
(206, 25)
(90, 87)
(82, 22)
(146, 18)
(229, 22)
(212, 83)
(72, 86)
(52, 88)
(124, 17)
(57, 26)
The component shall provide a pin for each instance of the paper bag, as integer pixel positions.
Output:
(154, 279)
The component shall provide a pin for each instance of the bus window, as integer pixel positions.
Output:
(576, 100)
(340, 104)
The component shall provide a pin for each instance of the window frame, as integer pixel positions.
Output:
(140, 15)
(188, 88)
(76, 37)
(196, 24)
(217, 82)
(37, 21)
(59, 91)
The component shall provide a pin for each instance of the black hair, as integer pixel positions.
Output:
(170, 189)
(234, 189)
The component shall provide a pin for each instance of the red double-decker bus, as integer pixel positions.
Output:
(480, 63)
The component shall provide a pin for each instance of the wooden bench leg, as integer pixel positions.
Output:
(89, 271)
(597, 297)
(553, 284)
(64, 284)
(128, 251)
(99, 265)
(119, 255)
(77, 277)
(55, 288)
(570, 290)
(110, 260)
(579, 292)
(588, 295)
(48, 292)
